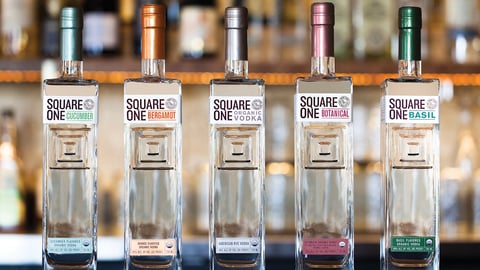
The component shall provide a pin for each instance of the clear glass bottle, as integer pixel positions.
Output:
(152, 118)
(323, 155)
(12, 190)
(70, 113)
(237, 156)
(410, 156)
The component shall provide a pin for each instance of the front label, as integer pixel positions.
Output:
(234, 245)
(153, 247)
(69, 245)
(323, 107)
(325, 246)
(152, 109)
(412, 244)
(236, 110)
(70, 109)
(410, 109)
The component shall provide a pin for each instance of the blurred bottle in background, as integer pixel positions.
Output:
(462, 25)
(127, 13)
(199, 32)
(293, 36)
(50, 14)
(101, 32)
(343, 29)
(279, 167)
(373, 24)
(12, 203)
(20, 37)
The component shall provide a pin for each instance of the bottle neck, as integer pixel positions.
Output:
(153, 68)
(236, 69)
(322, 66)
(409, 54)
(72, 69)
(410, 69)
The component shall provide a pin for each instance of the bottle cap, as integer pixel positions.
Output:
(71, 26)
(409, 17)
(71, 17)
(153, 16)
(409, 36)
(323, 14)
(153, 31)
(236, 24)
(322, 20)
(236, 18)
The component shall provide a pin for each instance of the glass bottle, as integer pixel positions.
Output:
(198, 29)
(237, 156)
(12, 201)
(152, 118)
(373, 28)
(102, 27)
(323, 155)
(70, 113)
(19, 28)
(410, 156)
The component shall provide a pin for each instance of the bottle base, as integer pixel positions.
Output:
(152, 262)
(69, 262)
(326, 262)
(236, 261)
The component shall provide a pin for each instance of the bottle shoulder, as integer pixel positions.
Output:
(70, 81)
(237, 82)
(153, 80)
(320, 79)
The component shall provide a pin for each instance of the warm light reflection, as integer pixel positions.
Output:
(283, 168)
(189, 78)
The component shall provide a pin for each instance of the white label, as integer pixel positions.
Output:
(69, 245)
(152, 109)
(70, 109)
(323, 107)
(153, 247)
(234, 245)
(410, 109)
(236, 110)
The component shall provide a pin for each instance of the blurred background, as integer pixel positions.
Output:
(365, 48)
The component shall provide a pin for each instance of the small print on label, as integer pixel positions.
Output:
(325, 246)
(69, 245)
(234, 245)
(153, 247)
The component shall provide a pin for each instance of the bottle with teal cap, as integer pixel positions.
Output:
(70, 113)
(410, 156)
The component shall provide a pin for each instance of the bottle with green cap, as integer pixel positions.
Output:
(70, 113)
(410, 156)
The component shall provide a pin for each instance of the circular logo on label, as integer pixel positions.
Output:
(86, 243)
(342, 244)
(344, 101)
(89, 104)
(431, 104)
(169, 244)
(171, 103)
(429, 242)
(257, 104)
(254, 243)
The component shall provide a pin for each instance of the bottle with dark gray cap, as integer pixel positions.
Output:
(323, 155)
(410, 156)
(70, 113)
(237, 156)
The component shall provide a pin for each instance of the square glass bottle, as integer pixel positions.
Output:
(237, 156)
(323, 155)
(70, 113)
(153, 147)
